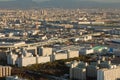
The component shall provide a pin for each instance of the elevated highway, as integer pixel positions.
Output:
(48, 42)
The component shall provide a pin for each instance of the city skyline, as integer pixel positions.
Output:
(59, 40)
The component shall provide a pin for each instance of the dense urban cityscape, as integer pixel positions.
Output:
(60, 44)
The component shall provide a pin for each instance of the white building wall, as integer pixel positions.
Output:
(72, 54)
(45, 51)
(42, 59)
(25, 61)
(78, 73)
(89, 51)
(19, 43)
(108, 74)
(60, 56)
(84, 22)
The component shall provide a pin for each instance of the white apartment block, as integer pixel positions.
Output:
(109, 74)
(5, 71)
(101, 70)
(72, 54)
(44, 51)
(59, 56)
(78, 71)
(64, 55)
(25, 57)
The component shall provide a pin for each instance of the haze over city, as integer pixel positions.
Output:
(60, 3)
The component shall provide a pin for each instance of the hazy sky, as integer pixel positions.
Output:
(79, 0)
(105, 0)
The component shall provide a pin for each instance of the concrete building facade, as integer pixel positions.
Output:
(109, 74)
(100, 70)
(5, 71)
(26, 58)
(44, 51)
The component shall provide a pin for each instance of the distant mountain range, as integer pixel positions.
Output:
(57, 4)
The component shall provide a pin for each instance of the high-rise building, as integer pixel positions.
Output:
(100, 70)
(109, 74)
(78, 71)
